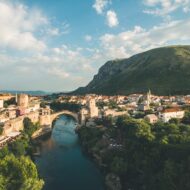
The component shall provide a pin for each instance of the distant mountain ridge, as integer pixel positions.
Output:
(34, 93)
(166, 71)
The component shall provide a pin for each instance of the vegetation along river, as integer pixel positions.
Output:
(62, 164)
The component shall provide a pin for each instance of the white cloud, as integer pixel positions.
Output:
(53, 32)
(52, 66)
(186, 9)
(18, 25)
(111, 16)
(88, 38)
(100, 5)
(59, 73)
(139, 39)
(65, 28)
(112, 19)
(165, 7)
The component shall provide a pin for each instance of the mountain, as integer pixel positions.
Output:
(165, 71)
(33, 93)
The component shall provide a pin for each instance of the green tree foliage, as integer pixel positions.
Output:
(3, 152)
(87, 134)
(29, 127)
(17, 171)
(186, 118)
(112, 104)
(42, 104)
(58, 106)
(19, 147)
(175, 121)
(106, 121)
(118, 165)
(134, 129)
(19, 174)
(11, 101)
(101, 104)
(1, 130)
(151, 157)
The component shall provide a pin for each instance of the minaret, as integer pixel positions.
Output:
(16, 98)
(149, 95)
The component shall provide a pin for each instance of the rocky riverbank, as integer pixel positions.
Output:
(112, 181)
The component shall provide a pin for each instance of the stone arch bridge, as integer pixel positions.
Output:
(45, 130)
(64, 112)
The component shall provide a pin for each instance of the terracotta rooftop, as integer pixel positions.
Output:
(171, 110)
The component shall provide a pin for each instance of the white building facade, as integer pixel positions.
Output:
(168, 114)
(1, 104)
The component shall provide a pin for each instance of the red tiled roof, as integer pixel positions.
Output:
(171, 110)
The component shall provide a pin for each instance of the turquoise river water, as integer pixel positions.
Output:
(62, 164)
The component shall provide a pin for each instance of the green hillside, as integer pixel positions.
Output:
(165, 71)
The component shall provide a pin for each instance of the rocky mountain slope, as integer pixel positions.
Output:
(165, 71)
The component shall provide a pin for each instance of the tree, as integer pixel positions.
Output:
(19, 147)
(135, 129)
(4, 152)
(186, 118)
(1, 130)
(29, 127)
(175, 121)
(168, 176)
(19, 174)
(118, 165)
(58, 106)
(42, 104)
(10, 102)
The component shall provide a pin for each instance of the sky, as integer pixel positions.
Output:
(59, 45)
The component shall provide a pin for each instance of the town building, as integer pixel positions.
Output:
(114, 113)
(3, 118)
(12, 113)
(1, 103)
(151, 118)
(33, 116)
(5, 96)
(170, 113)
(14, 125)
(143, 107)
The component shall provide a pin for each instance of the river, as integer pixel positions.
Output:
(62, 164)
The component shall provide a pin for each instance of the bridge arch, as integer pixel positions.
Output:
(54, 116)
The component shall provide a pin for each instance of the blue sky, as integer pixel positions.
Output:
(59, 45)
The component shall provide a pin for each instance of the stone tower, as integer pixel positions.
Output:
(93, 109)
(22, 100)
(45, 116)
(83, 115)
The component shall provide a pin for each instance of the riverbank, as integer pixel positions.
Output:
(42, 131)
(94, 145)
